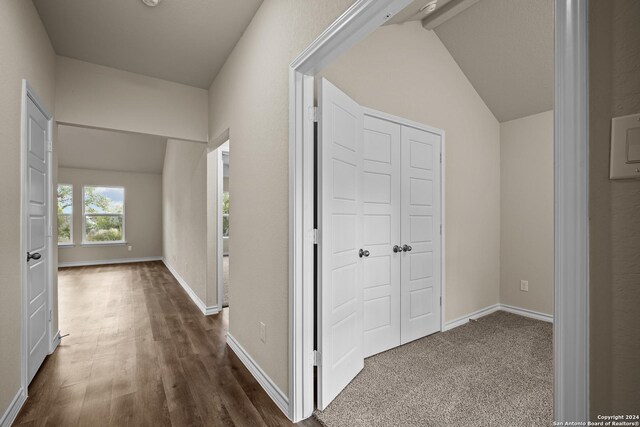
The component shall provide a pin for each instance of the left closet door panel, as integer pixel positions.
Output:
(381, 231)
(340, 337)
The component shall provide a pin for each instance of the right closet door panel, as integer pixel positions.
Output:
(420, 233)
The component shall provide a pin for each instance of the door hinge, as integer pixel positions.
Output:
(50, 315)
(441, 229)
(317, 358)
(316, 236)
(313, 114)
(440, 157)
(440, 301)
(50, 145)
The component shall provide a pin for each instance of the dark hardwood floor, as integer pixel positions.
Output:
(140, 353)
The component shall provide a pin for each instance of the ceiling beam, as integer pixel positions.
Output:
(448, 11)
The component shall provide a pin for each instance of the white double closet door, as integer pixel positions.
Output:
(401, 232)
(380, 253)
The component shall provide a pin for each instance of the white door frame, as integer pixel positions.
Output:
(571, 199)
(571, 212)
(52, 339)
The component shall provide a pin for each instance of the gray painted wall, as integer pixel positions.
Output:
(526, 212)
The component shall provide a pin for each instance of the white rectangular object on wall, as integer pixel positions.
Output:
(625, 147)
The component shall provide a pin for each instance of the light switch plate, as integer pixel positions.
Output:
(625, 147)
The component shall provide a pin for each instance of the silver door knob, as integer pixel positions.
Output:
(397, 248)
(34, 255)
(406, 248)
(363, 253)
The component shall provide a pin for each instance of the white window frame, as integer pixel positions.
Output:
(71, 242)
(123, 241)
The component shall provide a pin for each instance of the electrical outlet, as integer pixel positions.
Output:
(263, 332)
(129, 248)
(524, 285)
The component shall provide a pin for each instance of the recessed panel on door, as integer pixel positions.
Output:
(381, 231)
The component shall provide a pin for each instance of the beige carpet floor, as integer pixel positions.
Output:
(497, 371)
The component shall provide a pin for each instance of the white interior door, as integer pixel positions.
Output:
(38, 213)
(381, 231)
(340, 338)
(420, 229)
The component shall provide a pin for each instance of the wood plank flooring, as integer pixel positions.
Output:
(140, 353)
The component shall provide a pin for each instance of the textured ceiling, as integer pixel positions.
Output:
(87, 148)
(184, 41)
(505, 48)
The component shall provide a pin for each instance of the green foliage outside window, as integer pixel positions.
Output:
(65, 213)
(103, 209)
(225, 214)
(103, 228)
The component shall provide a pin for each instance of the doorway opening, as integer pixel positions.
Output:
(382, 223)
(223, 221)
(569, 243)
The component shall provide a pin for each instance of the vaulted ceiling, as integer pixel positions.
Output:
(504, 47)
(87, 148)
(184, 41)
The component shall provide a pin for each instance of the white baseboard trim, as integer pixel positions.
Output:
(212, 309)
(527, 313)
(280, 399)
(12, 411)
(108, 261)
(492, 309)
(55, 342)
(206, 310)
(465, 319)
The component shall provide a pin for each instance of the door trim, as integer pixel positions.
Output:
(410, 123)
(571, 394)
(362, 18)
(571, 212)
(52, 339)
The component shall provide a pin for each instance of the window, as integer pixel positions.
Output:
(65, 214)
(103, 215)
(225, 214)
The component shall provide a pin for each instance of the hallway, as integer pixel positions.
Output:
(139, 352)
